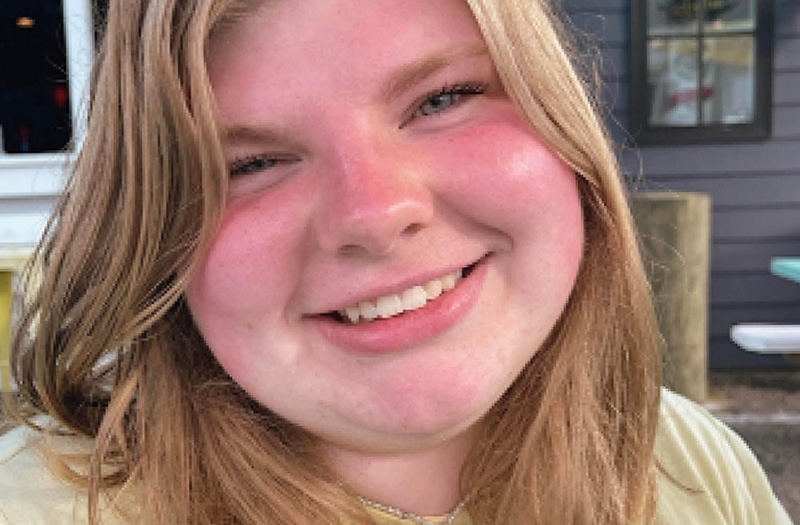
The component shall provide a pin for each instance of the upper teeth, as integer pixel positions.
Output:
(393, 304)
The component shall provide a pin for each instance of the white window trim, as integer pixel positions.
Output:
(30, 182)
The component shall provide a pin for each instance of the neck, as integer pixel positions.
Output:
(425, 482)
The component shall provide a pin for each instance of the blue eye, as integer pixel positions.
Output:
(448, 97)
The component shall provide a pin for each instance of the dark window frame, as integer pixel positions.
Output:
(757, 130)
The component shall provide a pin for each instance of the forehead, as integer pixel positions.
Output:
(302, 53)
(335, 29)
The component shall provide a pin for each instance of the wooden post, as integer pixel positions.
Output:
(675, 232)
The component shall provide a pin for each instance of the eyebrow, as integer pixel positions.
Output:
(234, 13)
(241, 134)
(417, 71)
(400, 81)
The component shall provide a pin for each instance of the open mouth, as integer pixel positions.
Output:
(393, 305)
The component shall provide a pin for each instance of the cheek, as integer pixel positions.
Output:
(510, 180)
(246, 277)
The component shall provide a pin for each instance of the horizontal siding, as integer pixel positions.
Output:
(744, 290)
(616, 94)
(595, 5)
(749, 257)
(725, 354)
(787, 54)
(747, 189)
(664, 162)
(787, 21)
(755, 187)
(756, 224)
(614, 66)
(606, 27)
(786, 123)
(723, 318)
(785, 91)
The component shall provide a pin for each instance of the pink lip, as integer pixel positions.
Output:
(408, 329)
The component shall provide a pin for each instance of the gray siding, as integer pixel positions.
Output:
(755, 187)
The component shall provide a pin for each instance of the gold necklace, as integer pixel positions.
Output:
(410, 516)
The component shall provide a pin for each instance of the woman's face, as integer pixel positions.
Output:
(374, 156)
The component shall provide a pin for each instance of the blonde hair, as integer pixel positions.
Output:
(108, 349)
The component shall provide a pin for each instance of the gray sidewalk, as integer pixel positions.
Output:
(764, 408)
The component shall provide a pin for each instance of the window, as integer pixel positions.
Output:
(34, 90)
(42, 120)
(701, 70)
(45, 57)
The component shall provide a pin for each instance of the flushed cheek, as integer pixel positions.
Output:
(251, 265)
(511, 181)
(513, 184)
(242, 290)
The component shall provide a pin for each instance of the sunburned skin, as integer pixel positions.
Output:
(366, 163)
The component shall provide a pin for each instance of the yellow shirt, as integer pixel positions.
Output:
(727, 486)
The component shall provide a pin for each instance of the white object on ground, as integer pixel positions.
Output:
(767, 338)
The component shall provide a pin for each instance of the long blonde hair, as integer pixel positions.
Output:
(106, 345)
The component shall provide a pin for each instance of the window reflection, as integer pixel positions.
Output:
(729, 63)
(671, 17)
(699, 76)
(732, 15)
(674, 79)
(34, 92)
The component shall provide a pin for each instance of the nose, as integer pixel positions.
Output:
(374, 201)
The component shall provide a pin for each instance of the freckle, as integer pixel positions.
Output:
(250, 327)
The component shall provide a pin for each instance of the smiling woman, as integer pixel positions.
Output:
(381, 192)
(306, 274)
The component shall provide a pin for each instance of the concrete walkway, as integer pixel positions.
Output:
(764, 408)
